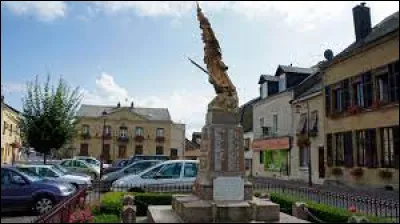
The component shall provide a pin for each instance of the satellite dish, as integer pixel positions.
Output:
(328, 54)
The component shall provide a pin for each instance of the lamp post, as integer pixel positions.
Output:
(104, 115)
(308, 137)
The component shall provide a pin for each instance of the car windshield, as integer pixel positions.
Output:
(92, 162)
(32, 176)
(60, 169)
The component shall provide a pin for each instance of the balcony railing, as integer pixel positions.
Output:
(160, 139)
(139, 138)
(123, 138)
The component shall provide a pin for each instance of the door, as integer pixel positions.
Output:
(321, 163)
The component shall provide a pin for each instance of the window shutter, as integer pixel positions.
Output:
(302, 124)
(366, 78)
(371, 148)
(396, 146)
(348, 150)
(327, 100)
(329, 150)
(346, 95)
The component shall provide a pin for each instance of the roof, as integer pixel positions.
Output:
(308, 86)
(264, 78)
(382, 29)
(246, 114)
(192, 145)
(11, 108)
(292, 69)
(158, 114)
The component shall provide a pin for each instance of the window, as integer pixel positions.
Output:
(329, 150)
(122, 151)
(246, 144)
(261, 157)
(160, 132)
(247, 164)
(261, 122)
(123, 132)
(84, 150)
(361, 149)
(107, 131)
(4, 127)
(174, 154)
(265, 131)
(139, 131)
(85, 129)
(11, 129)
(314, 122)
(338, 101)
(159, 150)
(368, 89)
(276, 160)
(394, 82)
(389, 146)
(80, 164)
(358, 91)
(139, 150)
(190, 170)
(275, 124)
(327, 100)
(150, 174)
(382, 84)
(341, 96)
(171, 171)
(67, 163)
(304, 156)
(46, 172)
(301, 128)
(339, 149)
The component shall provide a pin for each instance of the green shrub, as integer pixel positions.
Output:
(324, 212)
(106, 218)
(112, 201)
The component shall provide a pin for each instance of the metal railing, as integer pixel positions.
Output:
(63, 210)
(364, 204)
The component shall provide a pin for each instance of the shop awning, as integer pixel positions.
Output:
(281, 143)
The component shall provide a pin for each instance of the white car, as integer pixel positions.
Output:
(50, 172)
(168, 176)
(92, 161)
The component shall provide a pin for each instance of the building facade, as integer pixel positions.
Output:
(192, 147)
(361, 98)
(10, 133)
(272, 122)
(308, 126)
(128, 131)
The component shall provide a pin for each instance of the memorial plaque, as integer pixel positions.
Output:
(218, 145)
(228, 189)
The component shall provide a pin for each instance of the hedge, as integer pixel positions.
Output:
(324, 212)
(112, 201)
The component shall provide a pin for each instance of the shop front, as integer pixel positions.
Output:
(271, 157)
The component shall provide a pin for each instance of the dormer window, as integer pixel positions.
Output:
(264, 90)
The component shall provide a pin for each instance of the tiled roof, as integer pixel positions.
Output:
(292, 69)
(264, 78)
(310, 85)
(385, 27)
(158, 114)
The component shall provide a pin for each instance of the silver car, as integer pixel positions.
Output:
(133, 168)
(168, 176)
(51, 172)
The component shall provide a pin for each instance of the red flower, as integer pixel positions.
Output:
(352, 209)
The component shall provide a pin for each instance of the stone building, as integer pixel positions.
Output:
(10, 133)
(128, 131)
(192, 147)
(308, 124)
(361, 98)
(272, 121)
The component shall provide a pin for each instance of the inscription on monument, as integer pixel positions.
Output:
(218, 148)
(233, 152)
(204, 140)
(228, 189)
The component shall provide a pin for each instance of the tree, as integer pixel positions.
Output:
(49, 115)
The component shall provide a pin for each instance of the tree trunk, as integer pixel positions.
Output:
(44, 158)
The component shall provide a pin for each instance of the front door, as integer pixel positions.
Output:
(321, 163)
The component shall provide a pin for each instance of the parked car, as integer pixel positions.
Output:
(50, 172)
(116, 165)
(81, 166)
(133, 168)
(22, 191)
(144, 157)
(92, 161)
(173, 175)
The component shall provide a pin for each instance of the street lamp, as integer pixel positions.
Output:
(104, 115)
(298, 107)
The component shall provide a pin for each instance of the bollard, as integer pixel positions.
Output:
(298, 210)
(128, 214)
(128, 200)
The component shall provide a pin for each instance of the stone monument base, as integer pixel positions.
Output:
(190, 209)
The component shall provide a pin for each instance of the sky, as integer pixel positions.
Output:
(137, 51)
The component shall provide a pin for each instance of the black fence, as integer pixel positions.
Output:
(367, 205)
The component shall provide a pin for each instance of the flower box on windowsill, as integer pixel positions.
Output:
(353, 110)
(123, 138)
(139, 138)
(357, 172)
(160, 139)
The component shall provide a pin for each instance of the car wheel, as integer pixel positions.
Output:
(43, 205)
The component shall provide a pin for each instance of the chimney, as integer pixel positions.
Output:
(362, 21)
(118, 105)
(132, 104)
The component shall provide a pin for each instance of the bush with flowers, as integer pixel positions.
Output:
(81, 215)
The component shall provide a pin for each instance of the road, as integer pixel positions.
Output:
(17, 217)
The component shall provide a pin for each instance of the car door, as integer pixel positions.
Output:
(167, 178)
(16, 192)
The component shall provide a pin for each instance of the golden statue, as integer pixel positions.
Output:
(226, 99)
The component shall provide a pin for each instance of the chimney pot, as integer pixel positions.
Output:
(118, 105)
(362, 21)
(132, 104)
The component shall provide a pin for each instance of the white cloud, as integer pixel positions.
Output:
(188, 107)
(44, 10)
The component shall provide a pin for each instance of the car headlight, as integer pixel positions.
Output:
(65, 191)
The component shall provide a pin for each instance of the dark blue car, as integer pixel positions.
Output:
(26, 191)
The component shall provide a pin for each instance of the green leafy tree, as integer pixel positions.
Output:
(49, 115)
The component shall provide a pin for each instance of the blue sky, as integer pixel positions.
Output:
(137, 50)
